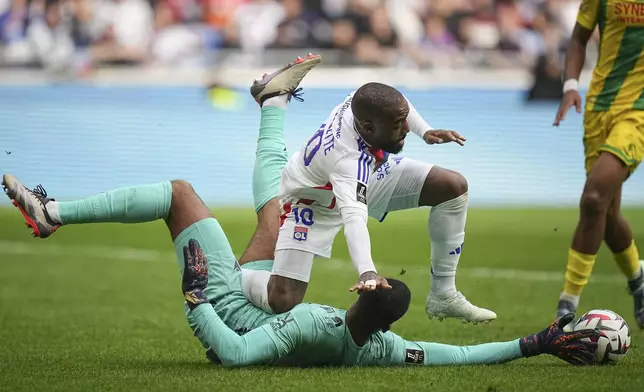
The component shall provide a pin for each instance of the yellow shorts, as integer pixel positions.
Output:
(619, 133)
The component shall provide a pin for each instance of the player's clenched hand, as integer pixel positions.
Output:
(195, 274)
(438, 136)
(370, 281)
(569, 99)
(577, 348)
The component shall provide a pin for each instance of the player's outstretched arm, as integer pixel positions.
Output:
(419, 126)
(350, 190)
(256, 347)
(567, 346)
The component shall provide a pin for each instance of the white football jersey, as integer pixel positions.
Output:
(332, 170)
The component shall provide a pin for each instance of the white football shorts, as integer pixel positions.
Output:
(395, 185)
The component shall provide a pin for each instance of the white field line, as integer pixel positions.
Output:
(8, 248)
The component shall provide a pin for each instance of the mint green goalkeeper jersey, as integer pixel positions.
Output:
(312, 334)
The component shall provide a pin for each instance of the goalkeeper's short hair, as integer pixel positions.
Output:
(386, 306)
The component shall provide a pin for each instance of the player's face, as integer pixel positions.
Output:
(390, 134)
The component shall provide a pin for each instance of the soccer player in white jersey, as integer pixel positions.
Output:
(345, 173)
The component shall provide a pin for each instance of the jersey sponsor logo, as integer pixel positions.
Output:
(383, 170)
(327, 309)
(414, 357)
(629, 13)
(361, 193)
(363, 167)
(300, 233)
(338, 129)
(282, 321)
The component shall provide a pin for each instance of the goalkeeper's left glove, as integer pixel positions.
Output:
(195, 275)
(568, 346)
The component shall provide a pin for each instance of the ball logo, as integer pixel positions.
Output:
(300, 233)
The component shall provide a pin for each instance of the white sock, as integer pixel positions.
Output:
(447, 233)
(255, 287)
(52, 210)
(570, 298)
(443, 284)
(638, 274)
(281, 101)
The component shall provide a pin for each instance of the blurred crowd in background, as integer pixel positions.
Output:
(85, 34)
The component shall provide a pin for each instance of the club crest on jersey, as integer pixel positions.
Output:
(300, 233)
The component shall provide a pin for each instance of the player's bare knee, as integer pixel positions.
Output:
(593, 203)
(186, 208)
(442, 185)
(180, 190)
(285, 293)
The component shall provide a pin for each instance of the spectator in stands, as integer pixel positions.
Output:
(253, 26)
(438, 33)
(13, 33)
(296, 29)
(50, 35)
(182, 32)
(344, 36)
(127, 38)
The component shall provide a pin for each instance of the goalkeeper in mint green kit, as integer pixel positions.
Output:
(235, 332)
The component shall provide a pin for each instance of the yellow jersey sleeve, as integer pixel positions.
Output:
(588, 14)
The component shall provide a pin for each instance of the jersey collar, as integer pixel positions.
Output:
(377, 153)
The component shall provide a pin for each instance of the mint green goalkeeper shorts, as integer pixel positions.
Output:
(224, 278)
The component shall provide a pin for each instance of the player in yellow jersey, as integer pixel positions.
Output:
(613, 140)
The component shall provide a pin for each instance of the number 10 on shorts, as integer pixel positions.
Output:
(302, 216)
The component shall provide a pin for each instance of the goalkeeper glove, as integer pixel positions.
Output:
(568, 346)
(195, 275)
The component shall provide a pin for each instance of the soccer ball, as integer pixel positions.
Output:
(614, 335)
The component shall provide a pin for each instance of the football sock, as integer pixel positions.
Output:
(270, 156)
(255, 287)
(628, 262)
(447, 233)
(134, 204)
(577, 272)
(573, 299)
(280, 101)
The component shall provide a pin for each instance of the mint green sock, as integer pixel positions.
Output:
(134, 204)
(270, 157)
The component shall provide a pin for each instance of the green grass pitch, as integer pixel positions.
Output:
(98, 307)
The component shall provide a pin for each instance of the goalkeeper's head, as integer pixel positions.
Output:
(383, 307)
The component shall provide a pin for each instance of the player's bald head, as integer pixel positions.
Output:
(381, 114)
(376, 102)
